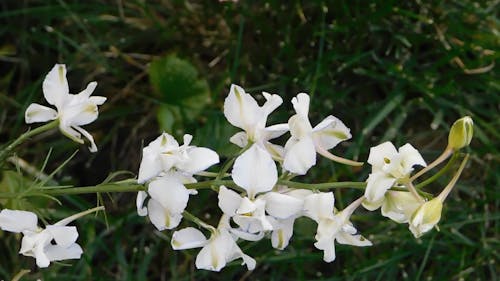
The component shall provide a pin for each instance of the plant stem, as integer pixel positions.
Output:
(109, 187)
(130, 185)
(230, 162)
(187, 215)
(327, 185)
(413, 191)
(439, 173)
(446, 153)
(442, 196)
(5, 152)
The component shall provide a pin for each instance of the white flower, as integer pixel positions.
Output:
(54, 243)
(169, 198)
(73, 111)
(389, 167)
(283, 211)
(301, 148)
(164, 154)
(248, 214)
(254, 170)
(217, 251)
(332, 227)
(170, 166)
(272, 211)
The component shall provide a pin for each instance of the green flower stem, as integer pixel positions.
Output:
(413, 191)
(442, 196)
(187, 215)
(130, 185)
(327, 185)
(5, 152)
(230, 162)
(446, 153)
(440, 173)
(109, 187)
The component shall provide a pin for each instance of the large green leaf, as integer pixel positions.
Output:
(182, 94)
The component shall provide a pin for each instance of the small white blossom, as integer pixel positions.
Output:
(217, 251)
(389, 166)
(301, 148)
(254, 170)
(73, 111)
(332, 227)
(168, 166)
(56, 242)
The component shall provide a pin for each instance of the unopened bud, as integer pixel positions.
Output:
(460, 133)
(426, 217)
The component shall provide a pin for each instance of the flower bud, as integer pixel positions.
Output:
(426, 217)
(460, 133)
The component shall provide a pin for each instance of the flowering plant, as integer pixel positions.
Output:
(257, 193)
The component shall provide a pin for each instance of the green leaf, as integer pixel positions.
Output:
(181, 91)
(176, 80)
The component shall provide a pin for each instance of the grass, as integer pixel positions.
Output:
(390, 70)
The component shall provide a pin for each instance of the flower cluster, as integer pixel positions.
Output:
(260, 200)
(262, 207)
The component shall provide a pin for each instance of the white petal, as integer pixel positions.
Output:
(282, 232)
(380, 153)
(39, 113)
(79, 114)
(161, 217)
(88, 136)
(200, 158)
(214, 255)
(249, 261)
(330, 132)
(59, 253)
(241, 109)
(246, 206)
(399, 205)
(229, 201)
(319, 205)
(272, 102)
(42, 260)
(97, 100)
(139, 202)
(55, 86)
(70, 133)
(255, 171)
(328, 247)
(188, 238)
(274, 131)
(18, 221)
(150, 165)
(299, 155)
(299, 193)
(410, 157)
(301, 104)
(63, 235)
(240, 233)
(282, 206)
(300, 127)
(85, 94)
(373, 205)
(171, 194)
(277, 152)
(240, 139)
(376, 186)
(352, 239)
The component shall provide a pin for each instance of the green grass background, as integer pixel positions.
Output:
(391, 70)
